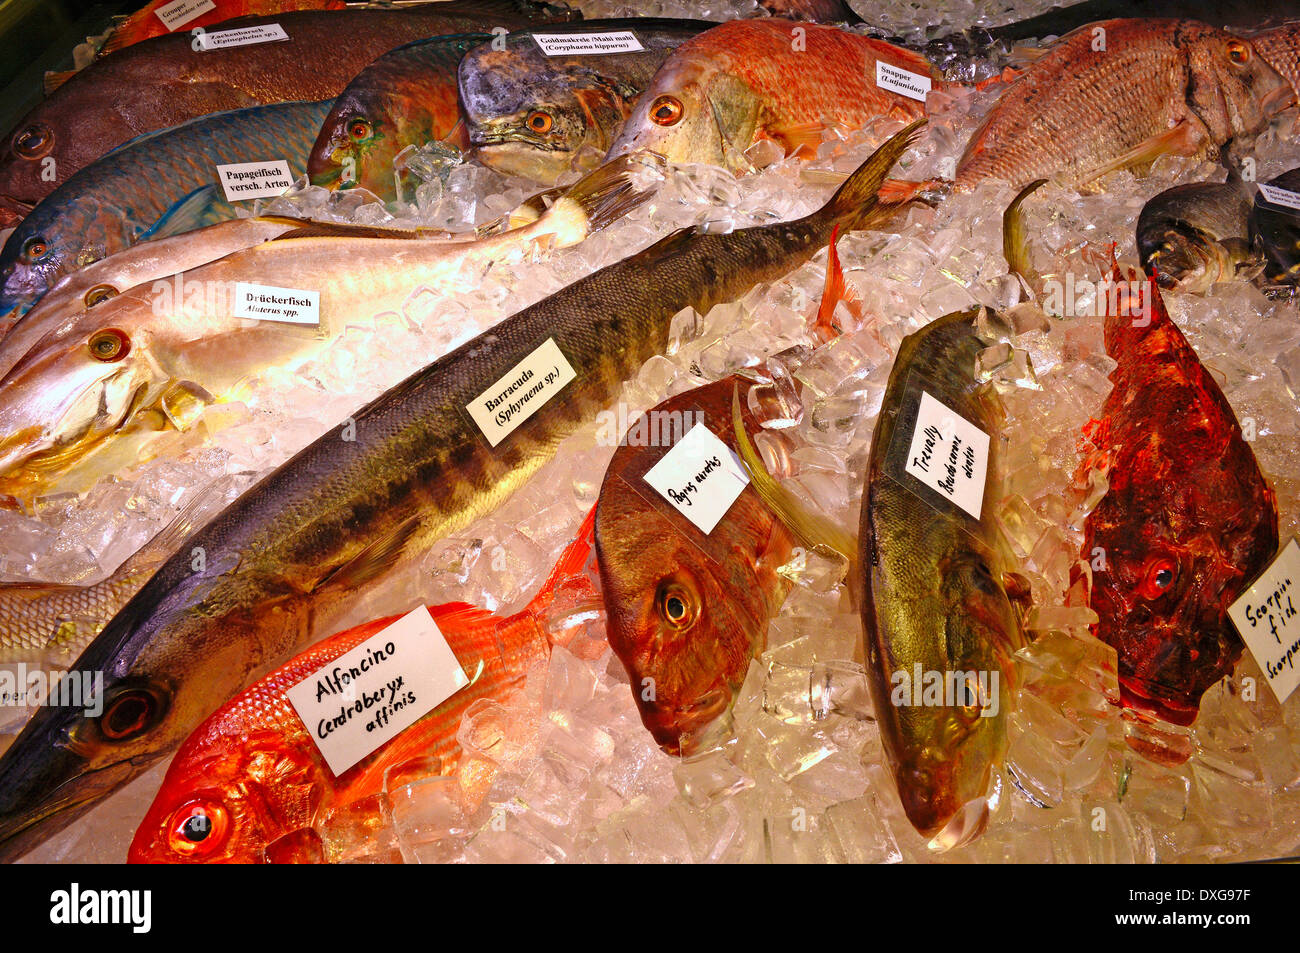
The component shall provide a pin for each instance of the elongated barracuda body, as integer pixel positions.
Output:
(409, 468)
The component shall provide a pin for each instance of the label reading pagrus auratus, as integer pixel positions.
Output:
(700, 476)
(521, 392)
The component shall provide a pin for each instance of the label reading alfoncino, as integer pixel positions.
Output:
(587, 44)
(266, 303)
(949, 454)
(262, 33)
(521, 392)
(901, 81)
(700, 476)
(254, 180)
(1268, 617)
(179, 12)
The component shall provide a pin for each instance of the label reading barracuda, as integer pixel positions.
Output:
(254, 180)
(587, 44)
(700, 476)
(521, 392)
(265, 303)
(949, 454)
(911, 85)
(179, 12)
(1266, 616)
(1276, 196)
(366, 697)
(262, 33)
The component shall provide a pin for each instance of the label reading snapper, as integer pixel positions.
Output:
(266, 303)
(949, 454)
(369, 695)
(1266, 616)
(1278, 196)
(254, 180)
(223, 39)
(179, 12)
(901, 81)
(521, 392)
(587, 44)
(700, 476)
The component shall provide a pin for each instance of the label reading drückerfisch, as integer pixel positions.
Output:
(254, 180)
(179, 12)
(223, 39)
(265, 303)
(949, 454)
(521, 392)
(587, 44)
(901, 81)
(1276, 196)
(366, 697)
(700, 476)
(1266, 616)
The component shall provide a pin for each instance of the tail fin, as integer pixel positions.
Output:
(856, 204)
(835, 291)
(572, 563)
(609, 192)
(1015, 245)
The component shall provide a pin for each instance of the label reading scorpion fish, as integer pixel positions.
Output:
(901, 81)
(521, 392)
(1266, 616)
(587, 44)
(700, 476)
(180, 12)
(949, 454)
(363, 699)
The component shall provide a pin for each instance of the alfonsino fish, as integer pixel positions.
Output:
(686, 610)
(150, 358)
(252, 773)
(1194, 235)
(1120, 93)
(1188, 520)
(342, 511)
(146, 23)
(747, 80)
(935, 585)
(539, 115)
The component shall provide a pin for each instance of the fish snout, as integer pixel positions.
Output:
(683, 730)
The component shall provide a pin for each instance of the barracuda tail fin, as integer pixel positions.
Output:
(857, 203)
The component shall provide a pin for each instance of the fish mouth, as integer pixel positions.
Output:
(1283, 97)
(684, 730)
(1136, 694)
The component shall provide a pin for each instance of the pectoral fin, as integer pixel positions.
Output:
(373, 561)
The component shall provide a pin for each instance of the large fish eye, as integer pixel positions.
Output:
(666, 110)
(359, 129)
(34, 249)
(109, 345)
(127, 715)
(33, 141)
(1238, 52)
(197, 827)
(675, 606)
(99, 294)
(540, 122)
(1159, 577)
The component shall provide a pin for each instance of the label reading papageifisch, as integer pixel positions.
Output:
(367, 696)
(901, 81)
(949, 454)
(1276, 196)
(254, 180)
(265, 303)
(179, 12)
(1266, 616)
(700, 476)
(587, 44)
(222, 39)
(521, 392)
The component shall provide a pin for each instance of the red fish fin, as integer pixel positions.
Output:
(571, 567)
(458, 135)
(56, 78)
(799, 139)
(459, 615)
(835, 291)
(902, 191)
(1183, 139)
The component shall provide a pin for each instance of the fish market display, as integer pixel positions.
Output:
(147, 23)
(1275, 232)
(1194, 235)
(539, 114)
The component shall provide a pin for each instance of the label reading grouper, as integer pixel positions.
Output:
(912, 85)
(368, 696)
(1276, 196)
(254, 180)
(949, 454)
(587, 44)
(222, 39)
(266, 303)
(1266, 616)
(521, 392)
(700, 476)
(179, 12)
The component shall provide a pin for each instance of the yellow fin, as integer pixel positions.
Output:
(1183, 139)
(1015, 244)
(373, 561)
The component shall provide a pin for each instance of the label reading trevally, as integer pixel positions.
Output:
(521, 392)
(222, 39)
(1266, 616)
(911, 85)
(700, 476)
(1278, 196)
(179, 12)
(254, 180)
(366, 697)
(587, 44)
(949, 454)
(266, 303)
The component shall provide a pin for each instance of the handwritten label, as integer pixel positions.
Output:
(223, 39)
(587, 44)
(1266, 616)
(366, 697)
(521, 392)
(949, 454)
(179, 12)
(254, 180)
(700, 476)
(1276, 196)
(911, 85)
(266, 303)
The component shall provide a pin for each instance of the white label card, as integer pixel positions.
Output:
(366, 697)
(179, 12)
(254, 180)
(587, 44)
(223, 39)
(1266, 616)
(949, 454)
(267, 303)
(700, 476)
(1278, 196)
(521, 392)
(901, 81)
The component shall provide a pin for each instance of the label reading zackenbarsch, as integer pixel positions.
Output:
(912, 85)
(700, 476)
(222, 39)
(180, 12)
(949, 454)
(521, 392)
(254, 180)
(368, 696)
(587, 44)
(1275, 196)
(1267, 617)
(266, 303)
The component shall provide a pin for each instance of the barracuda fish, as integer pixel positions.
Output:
(340, 512)
(145, 23)
(152, 357)
(163, 184)
(1275, 233)
(540, 116)
(1195, 235)
(686, 609)
(251, 775)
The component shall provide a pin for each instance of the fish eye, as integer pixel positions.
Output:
(1159, 577)
(33, 141)
(676, 606)
(127, 715)
(1238, 52)
(359, 129)
(99, 294)
(197, 827)
(539, 121)
(109, 345)
(666, 110)
(35, 249)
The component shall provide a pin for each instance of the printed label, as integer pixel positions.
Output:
(267, 303)
(1277, 196)
(521, 392)
(254, 180)
(1265, 615)
(222, 39)
(949, 454)
(587, 44)
(700, 476)
(179, 12)
(911, 85)
(365, 698)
